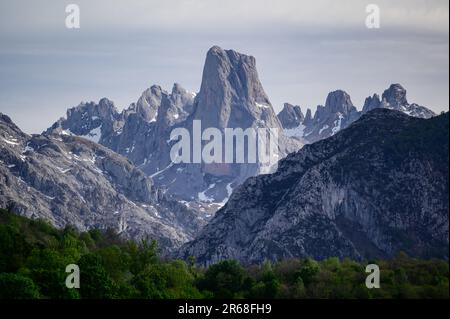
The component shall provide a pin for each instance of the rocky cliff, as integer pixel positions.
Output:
(372, 190)
(70, 180)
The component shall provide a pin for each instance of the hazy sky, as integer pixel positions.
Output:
(303, 50)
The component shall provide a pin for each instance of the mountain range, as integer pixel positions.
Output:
(230, 96)
(68, 180)
(339, 112)
(338, 191)
(370, 191)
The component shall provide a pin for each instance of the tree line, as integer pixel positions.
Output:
(34, 256)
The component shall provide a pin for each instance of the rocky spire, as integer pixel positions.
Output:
(337, 114)
(148, 104)
(395, 96)
(339, 101)
(308, 118)
(371, 103)
(231, 94)
(291, 116)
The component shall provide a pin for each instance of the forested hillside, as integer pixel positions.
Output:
(34, 255)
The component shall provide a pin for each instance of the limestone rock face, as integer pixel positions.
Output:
(371, 103)
(372, 190)
(230, 96)
(93, 121)
(339, 112)
(148, 104)
(291, 116)
(68, 180)
(394, 98)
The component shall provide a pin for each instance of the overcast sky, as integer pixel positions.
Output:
(303, 50)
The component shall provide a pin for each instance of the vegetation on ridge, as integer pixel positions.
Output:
(34, 255)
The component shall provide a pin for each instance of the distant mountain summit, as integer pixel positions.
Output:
(291, 116)
(394, 98)
(92, 121)
(339, 112)
(230, 96)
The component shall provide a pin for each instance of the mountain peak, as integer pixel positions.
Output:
(231, 55)
(231, 94)
(395, 96)
(149, 102)
(177, 88)
(337, 114)
(339, 101)
(371, 103)
(106, 102)
(104, 109)
(214, 49)
(291, 116)
(5, 118)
